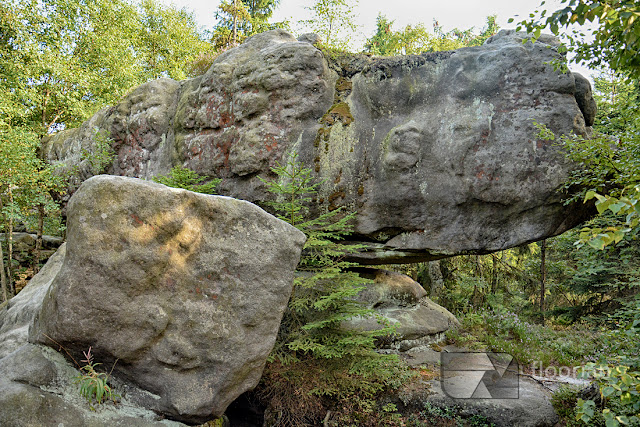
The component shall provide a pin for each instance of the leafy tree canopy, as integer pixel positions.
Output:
(415, 39)
(333, 21)
(612, 40)
(61, 61)
(239, 19)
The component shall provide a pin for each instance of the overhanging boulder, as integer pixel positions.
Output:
(437, 153)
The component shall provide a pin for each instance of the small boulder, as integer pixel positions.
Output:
(403, 303)
(185, 291)
(311, 38)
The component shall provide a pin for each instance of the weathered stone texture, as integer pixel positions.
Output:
(403, 304)
(185, 290)
(37, 384)
(437, 153)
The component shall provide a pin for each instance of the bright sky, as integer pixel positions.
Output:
(450, 14)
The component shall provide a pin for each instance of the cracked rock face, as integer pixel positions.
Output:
(437, 153)
(185, 291)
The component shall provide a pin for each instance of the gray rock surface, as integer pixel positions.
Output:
(584, 98)
(311, 38)
(17, 315)
(25, 243)
(436, 152)
(402, 303)
(37, 384)
(532, 408)
(185, 291)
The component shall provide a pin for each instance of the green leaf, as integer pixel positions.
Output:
(597, 243)
(602, 204)
(623, 419)
(611, 422)
(616, 207)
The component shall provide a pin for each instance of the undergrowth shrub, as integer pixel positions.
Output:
(505, 331)
(102, 154)
(317, 363)
(439, 415)
(618, 380)
(93, 384)
(564, 402)
(181, 177)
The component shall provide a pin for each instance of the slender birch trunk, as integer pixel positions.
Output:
(543, 276)
(3, 276)
(37, 250)
(12, 289)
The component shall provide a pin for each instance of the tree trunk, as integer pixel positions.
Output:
(36, 252)
(494, 274)
(12, 289)
(235, 23)
(3, 276)
(435, 276)
(543, 274)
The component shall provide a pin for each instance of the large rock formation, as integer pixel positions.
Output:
(37, 384)
(437, 153)
(185, 291)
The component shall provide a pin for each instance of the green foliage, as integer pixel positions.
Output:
(231, 15)
(503, 279)
(93, 384)
(584, 283)
(607, 166)
(293, 191)
(530, 343)
(239, 19)
(610, 175)
(619, 381)
(614, 38)
(621, 386)
(415, 39)
(564, 401)
(324, 289)
(101, 155)
(166, 40)
(617, 99)
(26, 188)
(329, 361)
(333, 21)
(64, 60)
(624, 206)
(181, 177)
(432, 414)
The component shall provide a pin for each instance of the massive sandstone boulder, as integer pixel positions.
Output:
(37, 385)
(185, 291)
(437, 153)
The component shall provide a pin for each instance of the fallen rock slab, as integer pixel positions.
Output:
(183, 292)
(532, 407)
